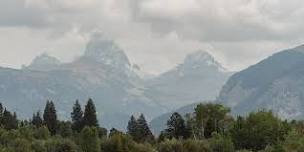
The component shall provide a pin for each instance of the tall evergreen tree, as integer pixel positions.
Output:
(50, 117)
(132, 128)
(176, 127)
(1, 114)
(77, 117)
(143, 129)
(37, 120)
(9, 120)
(90, 118)
(1, 109)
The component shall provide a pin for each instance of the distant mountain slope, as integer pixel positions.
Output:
(276, 83)
(159, 123)
(200, 77)
(44, 62)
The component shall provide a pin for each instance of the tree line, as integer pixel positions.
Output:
(210, 128)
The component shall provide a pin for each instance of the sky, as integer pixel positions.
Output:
(155, 34)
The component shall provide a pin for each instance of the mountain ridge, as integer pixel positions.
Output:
(274, 83)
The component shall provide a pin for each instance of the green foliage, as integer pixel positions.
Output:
(60, 145)
(258, 130)
(220, 143)
(90, 117)
(139, 129)
(102, 132)
(9, 120)
(132, 128)
(209, 117)
(64, 129)
(175, 145)
(89, 140)
(144, 130)
(50, 117)
(77, 117)
(37, 120)
(41, 133)
(176, 127)
(294, 142)
(21, 145)
(120, 142)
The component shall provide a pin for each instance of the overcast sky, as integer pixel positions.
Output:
(155, 34)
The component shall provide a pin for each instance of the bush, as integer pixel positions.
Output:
(89, 139)
(220, 143)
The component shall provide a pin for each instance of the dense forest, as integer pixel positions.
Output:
(210, 128)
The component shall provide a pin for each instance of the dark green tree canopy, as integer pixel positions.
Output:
(90, 115)
(132, 128)
(143, 129)
(77, 117)
(50, 117)
(176, 127)
(37, 120)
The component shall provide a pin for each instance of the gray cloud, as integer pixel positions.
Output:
(237, 32)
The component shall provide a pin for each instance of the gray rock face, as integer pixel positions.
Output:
(275, 83)
(199, 78)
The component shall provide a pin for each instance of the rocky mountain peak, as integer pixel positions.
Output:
(106, 51)
(44, 62)
(202, 59)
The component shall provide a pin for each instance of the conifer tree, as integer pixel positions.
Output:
(132, 128)
(1, 114)
(77, 117)
(50, 117)
(1, 109)
(176, 127)
(9, 121)
(143, 129)
(90, 118)
(37, 120)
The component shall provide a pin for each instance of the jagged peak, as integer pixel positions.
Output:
(106, 51)
(200, 57)
(45, 58)
(44, 62)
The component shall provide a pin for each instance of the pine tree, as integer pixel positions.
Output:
(77, 117)
(143, 129)
(37, 120)
(132, 128)
(90, 118)
(1, 109)
(9, 121)
(176, 127)
(1, 114)
(50, 117)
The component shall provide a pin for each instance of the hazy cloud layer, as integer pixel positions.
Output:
(156, 34)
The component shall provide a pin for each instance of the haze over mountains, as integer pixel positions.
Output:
(199, 77)
(105, 74)
(119, 88)
(276, 83)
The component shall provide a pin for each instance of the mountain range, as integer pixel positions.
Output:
(118, 89)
